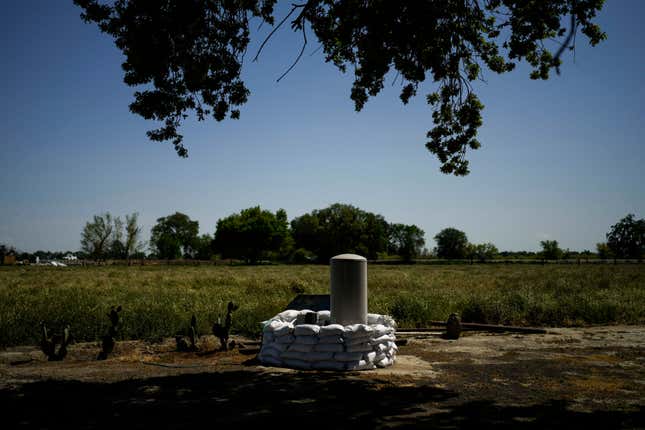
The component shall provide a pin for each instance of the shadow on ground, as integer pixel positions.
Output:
(305, 399)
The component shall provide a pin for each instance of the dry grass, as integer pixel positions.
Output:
(158, 301)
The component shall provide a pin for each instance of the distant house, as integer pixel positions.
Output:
(70, 257)
(9, 259)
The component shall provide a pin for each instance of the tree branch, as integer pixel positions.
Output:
(572, 32)
(293, 9)
(302, 50)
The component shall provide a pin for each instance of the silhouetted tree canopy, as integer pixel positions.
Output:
(406, 241)
(132, 244)
(251, 234)
(204, 247)
(338, 229)
(187, 54)
(451, 244)
(626, 239)
(551, 250)
(603, 251)
(99, 235)
(482, 251)
(175, 236)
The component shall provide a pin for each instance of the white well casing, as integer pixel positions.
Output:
(348, 273)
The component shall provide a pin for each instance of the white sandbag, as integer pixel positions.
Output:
(330, 339)
(361, 347)
(348, 356)
(386, 320)
(324, 318)
(357, 330)
(289, 315)
(307, 340)
(366, 340)
(285, 339)
(297, 364)
(306, 330)
(285, 330)
(270, 360)
(319, 356)
(360, 365)
(383, 339)
(280, 347)
(301, 347)
(300, 319)
(329, 347)
(381, 347)
(324, 314)
(389, 321)
(267, 338)
(370, 357)
(380, 330)
(332, 330)
(271, 325)
(271, 353)
(385, 362)
(328, 365)
(293, 355)
(374, 319)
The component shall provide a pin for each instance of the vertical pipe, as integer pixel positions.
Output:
(348, 276)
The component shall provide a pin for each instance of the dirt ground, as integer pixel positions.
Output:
(587, 377)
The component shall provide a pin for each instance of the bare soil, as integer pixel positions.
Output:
(583, 377)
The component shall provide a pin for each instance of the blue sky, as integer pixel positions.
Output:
(561, 159)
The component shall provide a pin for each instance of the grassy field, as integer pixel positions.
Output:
(159, 300)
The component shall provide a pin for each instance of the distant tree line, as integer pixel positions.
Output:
(254, 235)
(31, 256)
(625, 240)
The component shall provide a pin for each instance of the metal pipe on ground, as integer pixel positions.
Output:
(477, 327)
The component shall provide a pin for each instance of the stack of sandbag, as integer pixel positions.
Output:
(290, 342)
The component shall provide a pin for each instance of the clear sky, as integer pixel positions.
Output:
(561, 159)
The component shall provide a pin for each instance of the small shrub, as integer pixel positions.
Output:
(298, 286)
(473, 312)
(302, 256)
(409, 311)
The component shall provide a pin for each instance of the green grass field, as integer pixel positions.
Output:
(158, 301)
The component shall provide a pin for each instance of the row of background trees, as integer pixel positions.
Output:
(625, 240)
(256, 234)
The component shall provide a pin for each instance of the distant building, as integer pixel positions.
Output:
(70, 257)
(9, 259)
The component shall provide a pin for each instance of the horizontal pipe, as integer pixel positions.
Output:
(478, 326)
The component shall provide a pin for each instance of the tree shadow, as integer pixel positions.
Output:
(308, 399)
